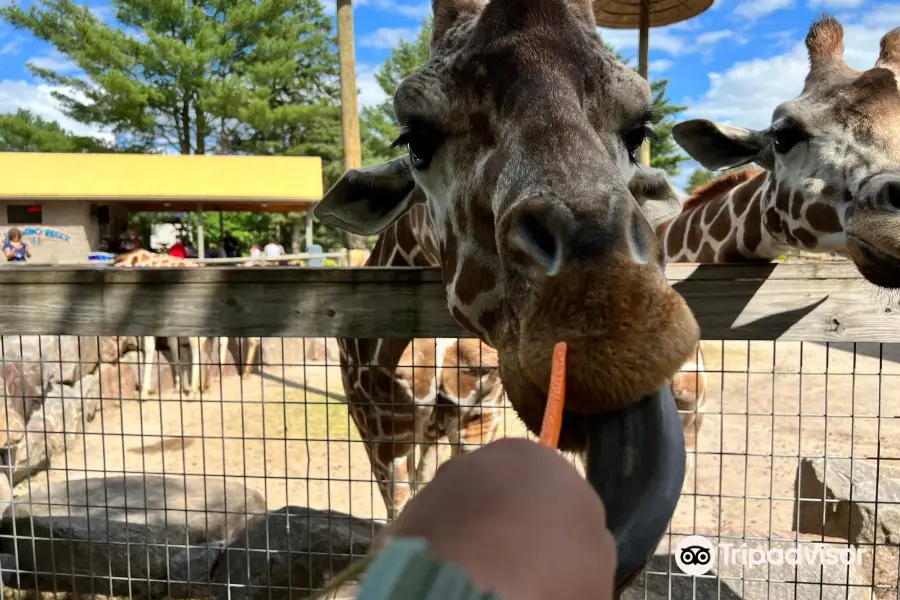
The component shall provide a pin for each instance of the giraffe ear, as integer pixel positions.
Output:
(718, 146)
(659, 200)
(368, 200)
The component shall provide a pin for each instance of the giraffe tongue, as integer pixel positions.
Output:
(635, 460)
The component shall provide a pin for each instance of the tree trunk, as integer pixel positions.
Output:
(349, 111)
(296, 233)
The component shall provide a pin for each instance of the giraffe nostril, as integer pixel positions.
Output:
(540, 230)
(889, 194)
(538, 242)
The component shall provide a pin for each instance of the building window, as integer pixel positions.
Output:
(24, 214)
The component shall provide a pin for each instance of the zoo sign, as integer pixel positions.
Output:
(42, 233)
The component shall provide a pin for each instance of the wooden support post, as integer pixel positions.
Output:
(349, 109)
(643, 64)
(201, 249)
(309, 228)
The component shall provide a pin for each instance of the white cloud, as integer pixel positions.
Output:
(10, 47)
(664, 40)
(748, 92)
(835, 4)
(659, 66)
(411, 11)
(713, 37)
(54, 61)
(661, 40)
(752, 10)
(370, 93)
(16, 94)
(386, 37)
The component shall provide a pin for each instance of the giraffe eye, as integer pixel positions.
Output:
(785, 138)
(421, 143)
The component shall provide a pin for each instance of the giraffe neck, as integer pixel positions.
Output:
(744, 217)
(407, 243)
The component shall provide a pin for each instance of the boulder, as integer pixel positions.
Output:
(286, 553)
(117, 382)
(162, 375)
(113, 558)
(835, 497)
(53, 426)
(208, 508)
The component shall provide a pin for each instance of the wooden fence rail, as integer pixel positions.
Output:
(825, 302)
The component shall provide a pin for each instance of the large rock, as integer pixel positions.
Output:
(117, 382)
(736, 579)
(54, 426)
(112, 558)
(289, 552)
(837, 497)
(207, 507)
(162, 375)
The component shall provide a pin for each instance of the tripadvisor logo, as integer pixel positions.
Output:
(696, 555)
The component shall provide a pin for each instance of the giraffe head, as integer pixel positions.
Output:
(833, 153)
(521, 132)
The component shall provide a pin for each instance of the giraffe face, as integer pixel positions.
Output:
(521, 132)
(834, 152)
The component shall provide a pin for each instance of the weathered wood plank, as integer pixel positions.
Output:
(813, 302)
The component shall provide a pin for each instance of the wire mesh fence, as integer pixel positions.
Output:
(135, 473)
(261, 485)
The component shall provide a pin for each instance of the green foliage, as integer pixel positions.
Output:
(698, 178)
(664, 152)
(206, 76)
(26, 132)
(380, 126)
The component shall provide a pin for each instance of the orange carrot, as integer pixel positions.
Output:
(556, 397)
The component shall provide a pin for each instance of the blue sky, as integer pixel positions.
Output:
(734, 63)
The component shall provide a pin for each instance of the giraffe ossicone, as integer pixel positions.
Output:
(521, 132)
(827, 179)
(830, 170)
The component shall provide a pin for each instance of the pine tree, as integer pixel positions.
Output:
(380, 127)
(200, 77)
(25, 132)
(699, 177)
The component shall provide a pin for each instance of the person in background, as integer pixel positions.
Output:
(273, 249)
(221, 252)
(177, 250)
(231, 246)
(255, 253)
(15, 248)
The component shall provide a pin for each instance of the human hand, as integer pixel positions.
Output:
(520, 520)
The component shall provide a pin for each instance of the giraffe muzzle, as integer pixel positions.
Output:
(635, 461)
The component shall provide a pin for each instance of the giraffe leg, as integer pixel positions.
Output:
(148, 350)
(390, 466)
(223, 354)
(252, 351)
(196, 347)
(427, 464)
(175, 347)
(479, 431)
(689, 391)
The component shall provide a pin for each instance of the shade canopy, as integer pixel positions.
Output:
(626, 14)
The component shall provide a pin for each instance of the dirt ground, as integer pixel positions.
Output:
(766, 407)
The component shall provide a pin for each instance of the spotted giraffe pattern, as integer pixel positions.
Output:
(139, 258)
(828, 183)
(407, 395)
